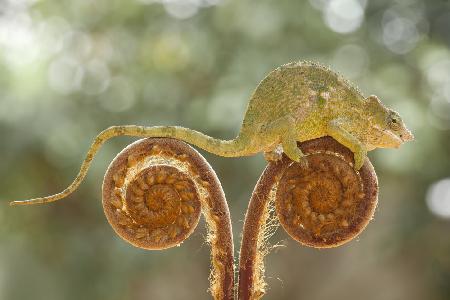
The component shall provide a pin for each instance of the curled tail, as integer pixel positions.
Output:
(222, 148)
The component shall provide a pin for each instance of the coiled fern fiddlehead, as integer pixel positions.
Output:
(323, 205)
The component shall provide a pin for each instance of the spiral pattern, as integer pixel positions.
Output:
(151, 204)
(153, 193)
(327, 203)
(165, 204)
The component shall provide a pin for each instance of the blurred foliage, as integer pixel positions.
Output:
(69, 69)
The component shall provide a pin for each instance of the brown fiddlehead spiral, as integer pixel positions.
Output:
(153, 193)
(323, 205)
(150, 206)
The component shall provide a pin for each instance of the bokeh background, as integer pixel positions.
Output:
(71, 68)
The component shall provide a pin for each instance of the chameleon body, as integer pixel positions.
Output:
(295, 102)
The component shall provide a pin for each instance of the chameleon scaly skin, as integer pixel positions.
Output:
(296, 102)
(303, 101)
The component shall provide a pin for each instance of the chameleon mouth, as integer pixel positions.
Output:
(407, 136)
(395, 141)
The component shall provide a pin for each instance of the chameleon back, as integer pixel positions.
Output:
(296, 89)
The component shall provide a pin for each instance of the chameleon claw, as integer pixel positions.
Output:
(303, 162)
(274, 155)
(359, 157)
(299, 158)
(358, 166)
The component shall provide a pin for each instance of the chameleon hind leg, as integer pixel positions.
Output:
(283, 130)
(274, 155)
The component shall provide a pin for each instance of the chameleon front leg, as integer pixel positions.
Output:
(337, 131)
(283, 130)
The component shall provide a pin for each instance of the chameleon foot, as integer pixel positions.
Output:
(295, 154)
(359, 157)
(274, 155)
(303, 162)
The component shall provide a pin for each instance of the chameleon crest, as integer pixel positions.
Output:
(293, 103)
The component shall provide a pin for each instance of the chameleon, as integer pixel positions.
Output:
(296, 102)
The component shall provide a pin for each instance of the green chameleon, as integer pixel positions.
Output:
(296, 102)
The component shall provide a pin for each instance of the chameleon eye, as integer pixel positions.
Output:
(394, 122)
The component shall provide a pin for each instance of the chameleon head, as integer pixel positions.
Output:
(389, 129)
(397, 127)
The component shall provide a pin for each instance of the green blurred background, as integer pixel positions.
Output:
(71, 68)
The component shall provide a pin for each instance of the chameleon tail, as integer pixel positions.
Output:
(222, 148)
